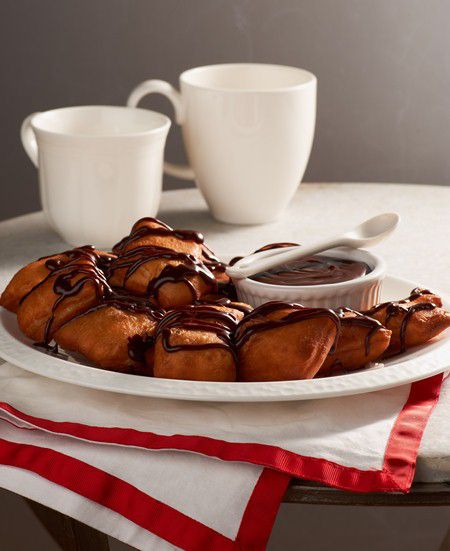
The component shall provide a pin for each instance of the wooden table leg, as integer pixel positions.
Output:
(68, 533)
(445, 545)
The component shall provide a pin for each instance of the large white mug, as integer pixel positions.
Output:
(100, 168)
(248, 130)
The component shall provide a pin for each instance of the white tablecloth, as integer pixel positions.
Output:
(417, 252)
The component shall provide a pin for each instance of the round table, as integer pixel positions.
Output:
(417, 251)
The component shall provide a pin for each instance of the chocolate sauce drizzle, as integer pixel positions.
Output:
(138, 345)
(417, 293)
(127, 302)
(300, 313)
(392, 305)
(91, 266)
(203, 318)
(212, 262)
(121, 300)
(403, 307)
(102, 260)
(225, 301)
(190, 267)
(139, 231)
(362, 321)
(67, 284)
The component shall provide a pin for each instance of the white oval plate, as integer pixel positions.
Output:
(420, 363)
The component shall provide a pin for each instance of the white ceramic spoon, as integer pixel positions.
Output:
(367, 234)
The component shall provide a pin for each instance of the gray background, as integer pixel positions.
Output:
(383, 70)
(383, 115)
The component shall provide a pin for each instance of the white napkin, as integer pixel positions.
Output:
(91, 455)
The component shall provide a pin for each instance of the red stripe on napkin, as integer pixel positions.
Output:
(404, 440)
(396, 474)
(262, 508)
(145, 511)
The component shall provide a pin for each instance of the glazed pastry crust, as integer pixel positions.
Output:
(190, 363)
(411, 325)
(24, 280)
(103, 337)
(213, 364)
(173, 295)
(357, 345)
(422, 327)
(304, 349)
(289, 352)
(170, 294)
(235, 308)
(170, 241)
(35, 272)
(36, 309)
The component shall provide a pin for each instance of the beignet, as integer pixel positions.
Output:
(413, 320)
(280, 341)
(151, 232)
(62, 295)
(195, 343)
(171, 278)
(114, 335)
(32, 274)
(361, 340)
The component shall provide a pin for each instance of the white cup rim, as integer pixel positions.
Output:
(308, 78)
(162, 122)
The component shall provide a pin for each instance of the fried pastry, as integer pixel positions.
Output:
(238, 309)
(413, 320)
(151, 232)
(117, 334)
(163, 305)
(281, 341)
(195, 343)
(361, 340)
(32, 274)
(65, 292)
(172, 278)
(24, 280)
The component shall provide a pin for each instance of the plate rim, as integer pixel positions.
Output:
(406, 371)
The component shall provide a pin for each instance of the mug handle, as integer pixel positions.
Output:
(29, 139)
(184, 172)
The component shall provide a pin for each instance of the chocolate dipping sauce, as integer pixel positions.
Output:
(313, 270)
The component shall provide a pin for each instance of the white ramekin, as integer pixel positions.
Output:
(359, 294)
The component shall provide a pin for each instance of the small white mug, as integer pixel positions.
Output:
(248, 130)
(100, 168)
